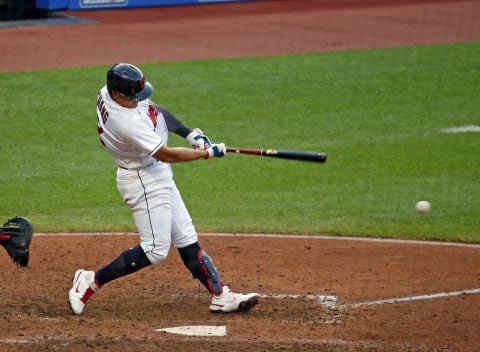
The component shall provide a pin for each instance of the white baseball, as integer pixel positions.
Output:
(423, 206)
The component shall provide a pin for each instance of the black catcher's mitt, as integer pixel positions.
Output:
(15, 236)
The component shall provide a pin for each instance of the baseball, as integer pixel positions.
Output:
(423, 206)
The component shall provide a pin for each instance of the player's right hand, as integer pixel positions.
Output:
(198, 140)
(217, 151)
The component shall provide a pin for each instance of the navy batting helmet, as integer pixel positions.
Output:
(129, 81)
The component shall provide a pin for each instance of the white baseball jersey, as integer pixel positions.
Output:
(132, 136)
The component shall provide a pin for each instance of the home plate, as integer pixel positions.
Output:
(196, 330)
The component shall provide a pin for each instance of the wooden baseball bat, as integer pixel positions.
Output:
(283, 154)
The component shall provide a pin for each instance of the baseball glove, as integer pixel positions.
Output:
(15, 236)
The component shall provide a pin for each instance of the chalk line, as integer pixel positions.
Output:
(411, 298)
(268, 235)
(326, 301)
(330, 301)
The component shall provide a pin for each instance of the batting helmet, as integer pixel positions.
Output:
(129, 81)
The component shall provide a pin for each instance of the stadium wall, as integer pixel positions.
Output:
(51, 5)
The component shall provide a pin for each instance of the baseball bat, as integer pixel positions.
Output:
(283, 154)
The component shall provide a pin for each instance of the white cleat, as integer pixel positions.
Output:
(230, 302)
(83, 287)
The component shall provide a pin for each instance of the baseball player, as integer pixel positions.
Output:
(135, 130)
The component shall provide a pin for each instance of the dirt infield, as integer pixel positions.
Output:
(319, 293)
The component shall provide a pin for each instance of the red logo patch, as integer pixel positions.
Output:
(142, 82)
(153, 113)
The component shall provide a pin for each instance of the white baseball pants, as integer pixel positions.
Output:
(160, 214)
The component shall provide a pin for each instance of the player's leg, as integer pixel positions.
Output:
(185, 239)
(202, 268)
(199, 263)
(86, 283)
(149, 201)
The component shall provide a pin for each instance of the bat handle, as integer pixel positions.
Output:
(244, 151)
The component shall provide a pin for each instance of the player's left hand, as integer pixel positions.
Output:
(217, 151)
(198, 140)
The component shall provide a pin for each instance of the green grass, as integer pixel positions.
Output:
(378, 114)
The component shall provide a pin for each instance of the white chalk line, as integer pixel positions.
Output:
(34, 339)
(326, 301)
(330, 301)
(66, 340)
(411, 298)
(265, 235)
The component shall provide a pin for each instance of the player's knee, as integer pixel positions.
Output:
(189, 258)
(157, 255)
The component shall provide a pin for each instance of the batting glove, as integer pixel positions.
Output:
(198, 140)
(217, 151)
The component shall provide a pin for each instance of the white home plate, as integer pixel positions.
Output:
(196, 330)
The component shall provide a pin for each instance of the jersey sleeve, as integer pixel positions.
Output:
(174, 125)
